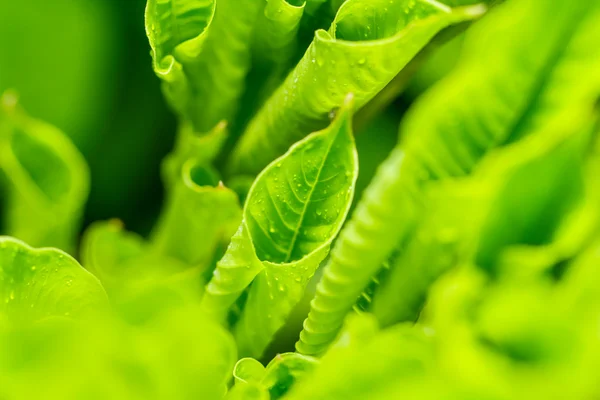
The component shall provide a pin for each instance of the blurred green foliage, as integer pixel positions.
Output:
(460, 264)
(85, 67)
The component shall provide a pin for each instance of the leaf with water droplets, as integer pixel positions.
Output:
(201, 52)
(282, 240)
(364, 49)
(38, 284)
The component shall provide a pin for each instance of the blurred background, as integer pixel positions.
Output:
(85, 66)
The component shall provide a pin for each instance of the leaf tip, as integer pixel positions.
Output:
(349, 100)
(345, 110)
(221, 126)
(9, 99)
(116, 224)
(471, 12)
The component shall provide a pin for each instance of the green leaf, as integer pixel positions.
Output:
(275, 47)
(190, 145)
(430, 251)
(199, 218)
(278, 377)
(248, 370)
(294, 211)
(386, 365)
(175, 355)
(522, 64)
(553, 161)
(45, 178)
(177, 30)
(277, 30)
(511, 222)
(128, 266)
(202, 53)
(248, 391)
(285, 370)
(45, 283)
(350, 268)
(367, 45)
(524, 334)
(519, 328)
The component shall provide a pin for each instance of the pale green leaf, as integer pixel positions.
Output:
(294, 210)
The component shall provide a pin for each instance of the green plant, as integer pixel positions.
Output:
(466, 269)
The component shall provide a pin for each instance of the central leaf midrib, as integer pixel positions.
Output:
(308, 199)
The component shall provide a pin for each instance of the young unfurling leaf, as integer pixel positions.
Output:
(199, 218)
(201, 51)
(277, 31)
(177, 30)
(293, 212)
(202, 148)
(276, 379)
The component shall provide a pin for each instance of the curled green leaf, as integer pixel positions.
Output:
(294, 211)
(277, 30)
(177, 30)
(201, 52)
(367, 45)
(278, 377)
(45, 178)
(199, 218)
(192, 146)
